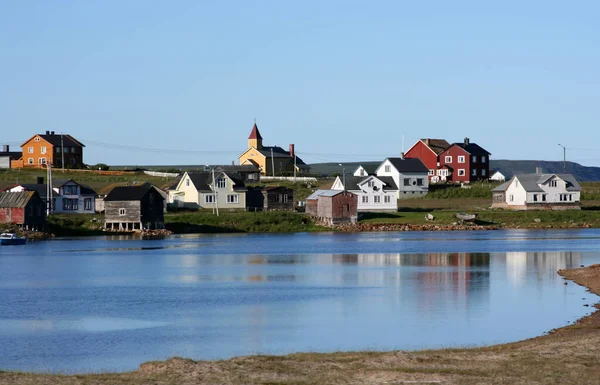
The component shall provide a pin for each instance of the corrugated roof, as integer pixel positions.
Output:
(436, 145)
(408, 165)
(324, 193)
(16, 199)
(39, 188)
(129, 193)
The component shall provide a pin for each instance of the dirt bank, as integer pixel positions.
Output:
(569, 355)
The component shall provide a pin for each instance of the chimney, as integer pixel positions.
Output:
(467, 141)
(427, 142)
(47, 132)
(51, 132)
(40, 180)
(233, 162)
(538, 171)
(401, 155)
(5, 148)
(292, 150)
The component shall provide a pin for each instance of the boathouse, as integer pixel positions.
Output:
(130, 208)
(24, 209)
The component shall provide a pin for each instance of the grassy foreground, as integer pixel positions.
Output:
(568, 355)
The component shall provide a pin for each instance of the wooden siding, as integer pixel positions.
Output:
(32, 216)
(424, 154)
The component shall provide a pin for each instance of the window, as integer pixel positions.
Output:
(285, 198)
(209, 199)
(474, 172)
(121, 212)
(431, 172)
(57, 150)
(511, 197)
(387, 199)
(553, 183)
(420, 182)
(461, 172)
(187, 182)
(535, 197)
(474, 159)
(73, 204)
(37, 139)
(365, 199)
(448, 159)
(43, 149)
(87, 203)
(407, 182)
(72, 150)
(233, 198)
(483, 172)
(42, 160)
(30, 150)
(377, 199)
(388, 168)
(565, 197)
(29, 160)
(370, 183)
(69, 190)
(461, 159)
(362, 172)
(543, 197)
(221, 183)
(483, 159)
(65, 149)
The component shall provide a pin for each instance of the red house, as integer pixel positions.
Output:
(465, 162)
(24, 209)
(428, 151)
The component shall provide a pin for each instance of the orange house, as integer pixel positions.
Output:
(50, 148)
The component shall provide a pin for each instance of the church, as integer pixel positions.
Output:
(271, 160)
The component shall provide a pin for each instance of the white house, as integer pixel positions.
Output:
(365, 169)
(538, 191)
(196, 190)
(410, 175)
(374, 193)
(498, 177)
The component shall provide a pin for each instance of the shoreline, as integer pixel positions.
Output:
(566, 355)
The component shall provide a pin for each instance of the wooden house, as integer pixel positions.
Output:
(129, 208)
(333, 207)
(51, 148)
(24, 209)
(278, 198)
(428, 151)
(465, 162)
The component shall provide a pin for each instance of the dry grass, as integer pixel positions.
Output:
(569, 355)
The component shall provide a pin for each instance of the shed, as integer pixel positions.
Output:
(24, 209)
(270, 198)
(130, 208)
(333, 206)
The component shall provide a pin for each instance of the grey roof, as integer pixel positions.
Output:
(85, 190)
(532, 182)
(39, 188)
(245, 168)
(129, 193)
(370, 168)
(436, 145)
(202, 180)
(352, 182)
(13, 155)
(324, 193)
(279, 152)
(408, 165)
(473, 148)
(16, 199)
(64, 139)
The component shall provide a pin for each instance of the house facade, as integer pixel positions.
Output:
(271, 160)
(464, 162)
(428, 151)
(333, 207)
(6, 156)
(538, 192)
(67, 196)
(498, 177)
(277, 198)
(409, 175)
(374, 193)
(24, 209)
(130, 208)
(196, 190)
(50, 148)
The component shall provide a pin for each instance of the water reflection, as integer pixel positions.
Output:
(544, 264)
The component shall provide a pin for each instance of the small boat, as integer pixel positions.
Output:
(466, 217)
(9, 239)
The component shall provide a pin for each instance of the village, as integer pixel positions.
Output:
(266, 178)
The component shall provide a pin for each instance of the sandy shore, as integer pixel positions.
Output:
(569, 355)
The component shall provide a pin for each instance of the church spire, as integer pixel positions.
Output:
(255, 139)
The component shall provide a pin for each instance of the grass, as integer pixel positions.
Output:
(75, 224)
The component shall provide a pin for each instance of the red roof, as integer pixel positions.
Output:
(255, 134)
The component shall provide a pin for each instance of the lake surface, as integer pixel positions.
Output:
(110, 303)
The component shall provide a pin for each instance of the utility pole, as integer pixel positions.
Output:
(272, 163)
(564, 158)
(214, 186)
(294, 166)
(62, 152)
(343, 176)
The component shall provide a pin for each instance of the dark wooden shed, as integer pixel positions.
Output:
(333, 206)
(128, 208)
(24, 209)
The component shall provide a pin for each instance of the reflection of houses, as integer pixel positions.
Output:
(538, 191)
(543, 263)
(332, 207)
(134, 208)
(24, 209)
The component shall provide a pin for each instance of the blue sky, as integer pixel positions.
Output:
(343, 80)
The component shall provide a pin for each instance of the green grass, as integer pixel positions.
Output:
(62, 225)
(452, 191)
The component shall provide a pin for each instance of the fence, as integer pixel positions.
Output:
(161, 174)
(289, 178)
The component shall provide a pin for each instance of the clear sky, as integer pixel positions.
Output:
(343, 80)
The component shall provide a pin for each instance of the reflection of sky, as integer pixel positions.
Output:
(128, 301)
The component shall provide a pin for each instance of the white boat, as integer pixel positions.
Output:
(466, 217)
(9, 239)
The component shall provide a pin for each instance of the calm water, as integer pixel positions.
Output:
(109, 304)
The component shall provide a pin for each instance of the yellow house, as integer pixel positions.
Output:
(271, 160)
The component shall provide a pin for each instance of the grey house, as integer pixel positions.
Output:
(128, 208)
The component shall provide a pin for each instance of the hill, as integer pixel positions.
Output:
(506, 167)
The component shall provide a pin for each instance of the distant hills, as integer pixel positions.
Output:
(506, 167)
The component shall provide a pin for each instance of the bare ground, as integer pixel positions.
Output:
(569, 355)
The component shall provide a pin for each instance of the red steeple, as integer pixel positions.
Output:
(255, 134)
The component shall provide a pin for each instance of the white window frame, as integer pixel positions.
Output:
(553, 183)
(122, 212)
(209, 198)
(461, 172)
(387, 199)
(41, 160)
(365, 199)
(221, 182)
(388, 168)
(511, 198)
(460, 159)
(377, 199)
(43, 149)
(448, 159)
(233, 199)
(431, 172)
(187, 182)
(30, 150)
(29, 160)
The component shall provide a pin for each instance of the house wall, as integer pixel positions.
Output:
(360, 171)
(59, 205)
(413, 189)
(274, 199)
(498, 177)
(132, 212)
(337, 209)
(222, 199)
(480, 167)
(37, 148)
(366, 197)
(454, 152)
(152, 210)
(421, 151)
(188, 193)
(4, 161)
(254, 155)
(516, 194)
(312, 206)
(12, 215)
(35, 214)
(553, 194)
